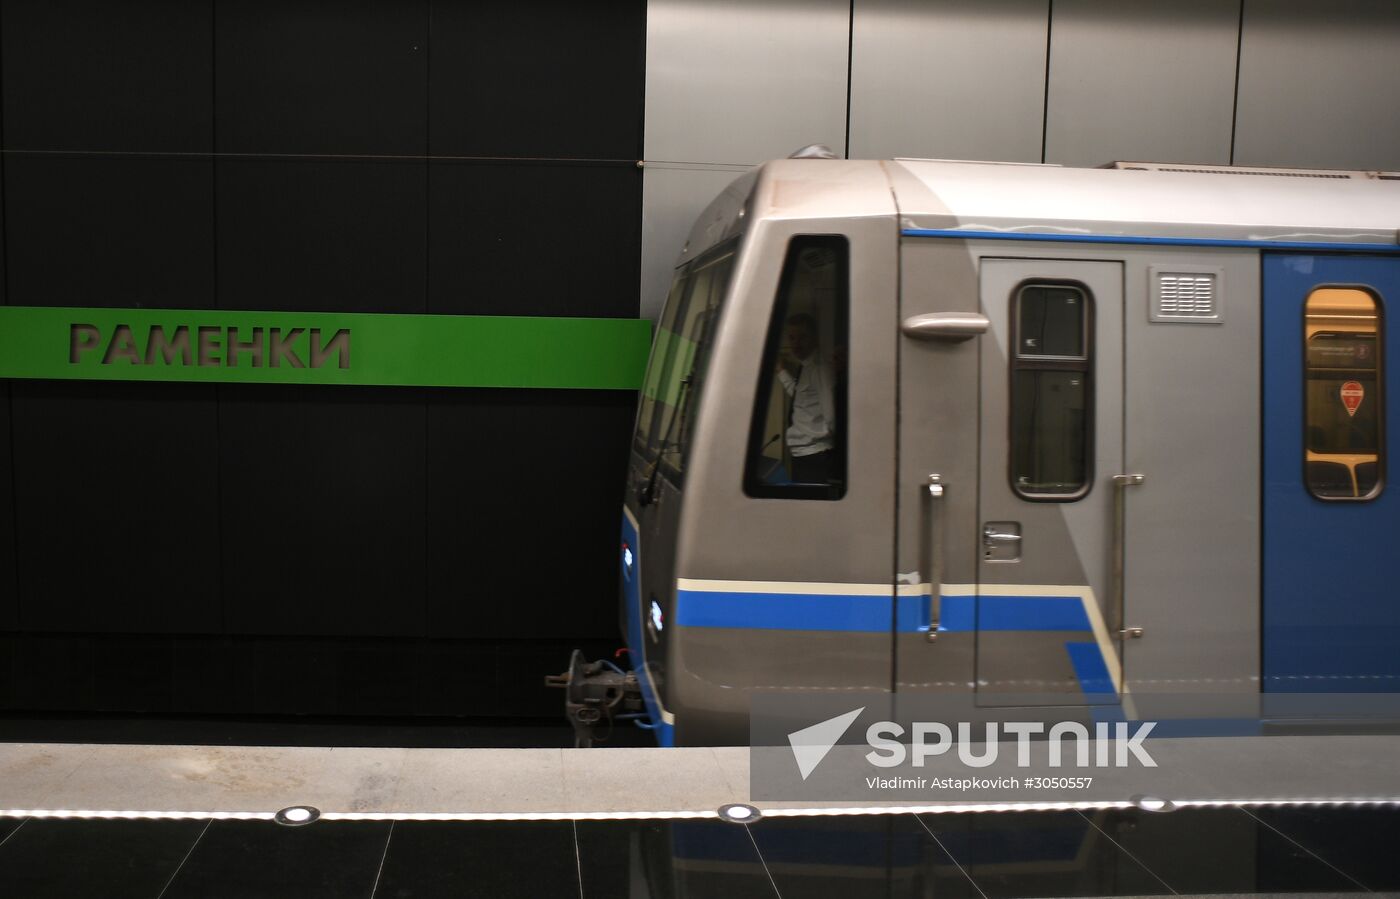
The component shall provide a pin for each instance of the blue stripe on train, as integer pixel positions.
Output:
(871, 614)
(1089, 668)
(1148, 240)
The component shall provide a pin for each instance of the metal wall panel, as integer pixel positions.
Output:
(1319, 84)
(740, 81)
(921, 84)
(1137, 79)
(673, 196)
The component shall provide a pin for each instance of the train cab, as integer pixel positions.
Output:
(1042, 436)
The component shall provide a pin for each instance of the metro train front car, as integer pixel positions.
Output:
(1034, 435)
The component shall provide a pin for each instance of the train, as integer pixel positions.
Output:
(1037, 435)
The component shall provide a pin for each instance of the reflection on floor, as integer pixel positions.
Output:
(1295, 850)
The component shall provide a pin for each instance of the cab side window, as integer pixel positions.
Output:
(798, 437)
(1343, 422)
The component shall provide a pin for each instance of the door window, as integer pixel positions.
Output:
(1051, 392)
(1342, 411)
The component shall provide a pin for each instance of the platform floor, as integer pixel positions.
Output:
(1296, 815)
(349, 783)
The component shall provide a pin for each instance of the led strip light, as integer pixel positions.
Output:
(767, 812)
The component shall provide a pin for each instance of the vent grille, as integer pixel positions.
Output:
(1180, 293)
(1190, 296)
(1257, 172)
(1253, 171)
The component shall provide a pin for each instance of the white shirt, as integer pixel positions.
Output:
(813, 408)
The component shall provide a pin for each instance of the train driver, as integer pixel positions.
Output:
(809, 382)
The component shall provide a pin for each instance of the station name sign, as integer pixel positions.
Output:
(322, 348)
(211, 346)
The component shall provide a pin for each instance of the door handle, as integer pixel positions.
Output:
(954, 326)
(991, 537)
(934, 492)
(1121, 483)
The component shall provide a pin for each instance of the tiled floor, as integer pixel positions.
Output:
(1318, 850)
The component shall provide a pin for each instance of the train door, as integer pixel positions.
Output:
(1009, 444)
(1331, 619)
(1051, 483)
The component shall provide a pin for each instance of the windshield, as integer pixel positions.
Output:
(678, 359)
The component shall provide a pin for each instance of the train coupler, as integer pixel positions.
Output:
(597, 695)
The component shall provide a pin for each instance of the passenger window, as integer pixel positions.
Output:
(1343, 403)
(679, 356)
(1051, 392)
(797, 440)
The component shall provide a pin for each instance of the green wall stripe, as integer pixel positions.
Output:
(322, 348)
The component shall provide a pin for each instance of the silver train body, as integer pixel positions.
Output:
(1091, 432)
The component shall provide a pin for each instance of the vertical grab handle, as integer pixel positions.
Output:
(934, 549)
(1121, 483)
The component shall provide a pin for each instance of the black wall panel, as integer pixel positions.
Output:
(286, 677)
(322, 76)
(4, 267)
(94, 75)
(132, 672)
(7, 669)
(109, 231)
(54, 673)
(116, 499)
(207, 677)
(9, 583)
(568, 85)
(520, 485)
(528, 239)
(244, 549)
(377, 679)
(458, 678)
(322, 496)
(326, 235)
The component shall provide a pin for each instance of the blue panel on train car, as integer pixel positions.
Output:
(634, 626)
(631, 553)
(1331, 615)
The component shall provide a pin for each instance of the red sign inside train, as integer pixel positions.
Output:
(1352, 394)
